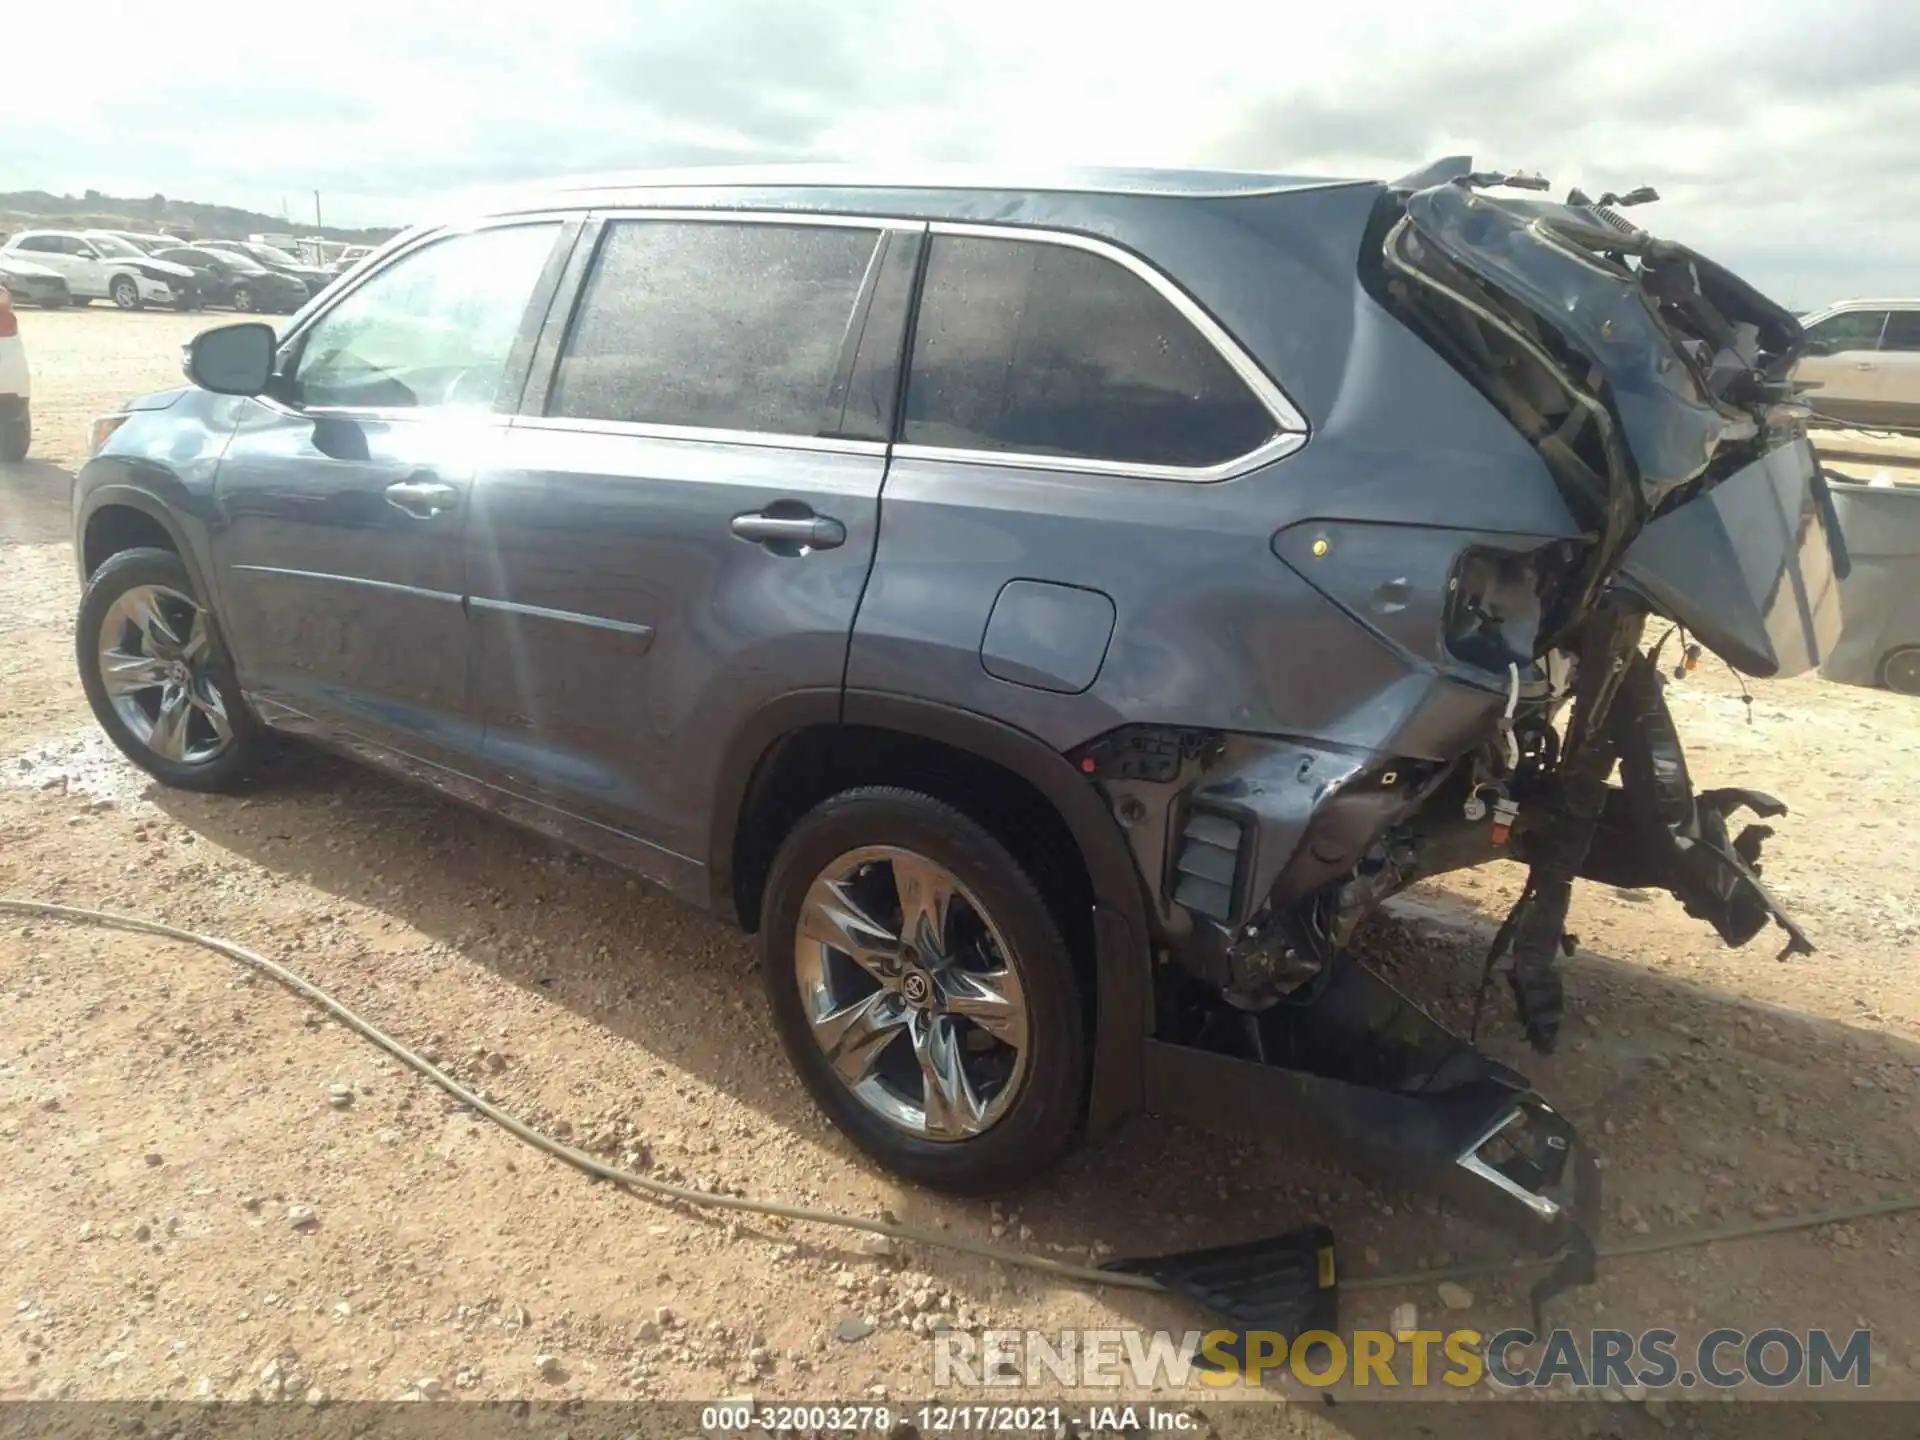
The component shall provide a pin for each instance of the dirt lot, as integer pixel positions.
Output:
(162, 1113)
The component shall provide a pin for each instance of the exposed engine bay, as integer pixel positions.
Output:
(1653, 385)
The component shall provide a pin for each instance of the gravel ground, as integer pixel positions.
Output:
(213, 1191)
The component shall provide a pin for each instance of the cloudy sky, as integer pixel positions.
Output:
(1784, 138)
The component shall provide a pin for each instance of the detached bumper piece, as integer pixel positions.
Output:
(1287, 1285)
(1361, 1076)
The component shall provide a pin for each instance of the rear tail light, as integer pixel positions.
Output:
(9, 322)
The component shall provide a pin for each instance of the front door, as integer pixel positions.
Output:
(342, 496)
(680, 528)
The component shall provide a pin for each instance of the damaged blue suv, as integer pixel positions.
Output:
(1053, 617)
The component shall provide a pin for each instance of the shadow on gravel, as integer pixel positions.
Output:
(1707, 1109)
(35, 503)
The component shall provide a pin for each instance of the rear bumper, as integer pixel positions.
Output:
(16, 382)
(1362, 1077)
(38, 292)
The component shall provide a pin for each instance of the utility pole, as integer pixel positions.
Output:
(316, 212)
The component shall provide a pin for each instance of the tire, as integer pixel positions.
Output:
(144, 578)
(1001, 927)
(243, 299)
(16, 438)
(1900, 671)
(125, 293)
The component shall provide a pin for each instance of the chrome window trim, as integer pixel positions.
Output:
(1244, 365)
(761, 439)
(390, 414)
(1276, 447)
(720, 214)
(304, 319)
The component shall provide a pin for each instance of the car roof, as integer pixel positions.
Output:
(1085, 180)
(1840, 306)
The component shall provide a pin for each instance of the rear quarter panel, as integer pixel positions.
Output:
(1211, 628)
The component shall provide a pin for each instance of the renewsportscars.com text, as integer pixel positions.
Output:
(1509, 1359)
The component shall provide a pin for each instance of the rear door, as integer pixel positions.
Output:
(681, 524)
(1841, 365)
(1897, 387)
(58, 252)
(342, 496)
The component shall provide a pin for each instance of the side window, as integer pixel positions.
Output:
(40, 244)
(715, 324)
(1042, 349)
(1849, 330)
(435, 328)
(1903, 331)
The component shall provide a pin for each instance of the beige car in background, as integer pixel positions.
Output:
(1862, 363)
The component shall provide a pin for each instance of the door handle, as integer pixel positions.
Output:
(792, 531)
(422, 498)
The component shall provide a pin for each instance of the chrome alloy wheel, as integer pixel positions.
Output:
(911, 993)
(155, 657)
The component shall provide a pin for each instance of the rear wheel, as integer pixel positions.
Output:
(920, 986)
(126, 293)
(1900, 671)
(243, 299)
(157, 676)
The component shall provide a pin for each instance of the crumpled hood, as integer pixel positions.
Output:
(1693, 356)
(162, 269)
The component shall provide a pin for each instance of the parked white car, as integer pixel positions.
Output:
(16, 387)
(104, 267)
(1862, 363)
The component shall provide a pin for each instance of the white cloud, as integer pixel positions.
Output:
(1784, 140)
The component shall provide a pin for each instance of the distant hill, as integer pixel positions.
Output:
(37, 209)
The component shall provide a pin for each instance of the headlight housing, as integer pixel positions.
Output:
(101, 431)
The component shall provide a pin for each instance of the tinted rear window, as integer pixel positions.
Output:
(713, 324)
(1903, 331)
(1044, 349)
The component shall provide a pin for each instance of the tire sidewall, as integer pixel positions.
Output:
(1045, 1117)
(123, 287)
(123, 572)
(1903, 653)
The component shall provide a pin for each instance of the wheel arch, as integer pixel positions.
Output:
(118, 516)
(795, 751)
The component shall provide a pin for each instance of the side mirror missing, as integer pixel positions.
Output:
(234, 359)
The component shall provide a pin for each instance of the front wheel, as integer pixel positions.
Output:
(921, 987)
(157, 676)
(125, 293)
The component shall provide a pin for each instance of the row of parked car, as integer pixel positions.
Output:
(56, 268)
